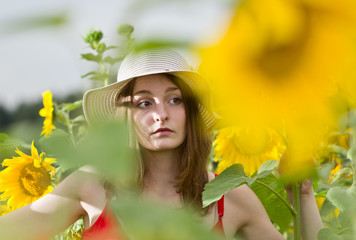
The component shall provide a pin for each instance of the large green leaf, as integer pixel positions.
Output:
(231, 178)
(344, 198)
(106, 148)
(143, 220)
(276, 209)
(327, 234)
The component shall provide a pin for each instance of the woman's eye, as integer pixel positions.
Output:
(175, 100)
(144, 104)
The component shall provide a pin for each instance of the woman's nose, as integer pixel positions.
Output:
(161, 114)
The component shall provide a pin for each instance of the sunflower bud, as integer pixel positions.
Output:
(125, 30)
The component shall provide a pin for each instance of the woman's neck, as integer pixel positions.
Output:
(161, 170)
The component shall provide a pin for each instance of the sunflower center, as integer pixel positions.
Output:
(34, 181)
(278, 60)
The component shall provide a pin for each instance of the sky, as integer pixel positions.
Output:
(36, 58)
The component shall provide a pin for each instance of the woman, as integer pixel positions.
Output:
(169, 108)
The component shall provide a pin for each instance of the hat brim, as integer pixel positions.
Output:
(99, 104)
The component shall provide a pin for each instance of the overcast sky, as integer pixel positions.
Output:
(34, 59)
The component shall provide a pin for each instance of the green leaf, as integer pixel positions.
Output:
(326, 208)
(343, 198)
(99, 76)
(144, 220)
(3, 137)
(229, 179)
(268, 166)
(338, 150)
(343, 171)
(90, 57)
(104, 148)
(111, 60)
(79, 118)
(71, 106)
(8, 146)
(351, 153)
(87, 74)
(276, 209)
(327, 234)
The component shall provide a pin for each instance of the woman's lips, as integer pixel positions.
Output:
(162, 131)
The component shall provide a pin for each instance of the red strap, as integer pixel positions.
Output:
(220, 206)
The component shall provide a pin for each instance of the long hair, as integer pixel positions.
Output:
(192, 173)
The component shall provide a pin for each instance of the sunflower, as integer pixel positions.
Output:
(47, 113)
(249, 146)
(279, 65)
(25, 178)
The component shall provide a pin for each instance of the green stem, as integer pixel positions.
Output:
(287, 204)
(69, 127)
(296, 205)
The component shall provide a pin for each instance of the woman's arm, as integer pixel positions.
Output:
(310, 220)
(249, 218)
(50, 214)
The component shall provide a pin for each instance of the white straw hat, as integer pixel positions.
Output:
(99, 104)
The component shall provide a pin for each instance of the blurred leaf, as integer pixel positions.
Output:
(79, 118)
(91, 57)
(72, 106)
(343, 198)
(158, 222)
(327, 208)
(327, 234)
(324, 170)
(276, 209)
(105, 148)
(321, 194)
(111, 60)
(268, 166)
(99, 76)
(59, 146)
(87, 74)
(338, 150)
(229, 179)
(8, 146)
(37, 21)
(343, 171)
(3, 137)
(160, 43)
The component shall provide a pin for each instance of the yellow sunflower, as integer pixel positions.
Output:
(282, 63)
(25, 178)
(249, 146)
(47, 113)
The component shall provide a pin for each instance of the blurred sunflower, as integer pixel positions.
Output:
(249, 146)
(3, 209)
(26, 178)
(47, 113)
(282, 63)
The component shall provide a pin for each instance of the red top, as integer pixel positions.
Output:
(107, 227)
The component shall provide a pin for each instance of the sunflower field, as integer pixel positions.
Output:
(283, 83)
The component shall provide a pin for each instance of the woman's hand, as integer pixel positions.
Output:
(311, 221)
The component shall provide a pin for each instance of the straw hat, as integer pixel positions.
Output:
(99, 104)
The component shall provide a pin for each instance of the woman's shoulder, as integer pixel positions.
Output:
(239, 195)
(82, 183)
(241, 204)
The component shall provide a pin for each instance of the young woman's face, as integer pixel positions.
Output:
(158, 113)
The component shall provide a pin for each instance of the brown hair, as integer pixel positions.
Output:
(196, 147)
